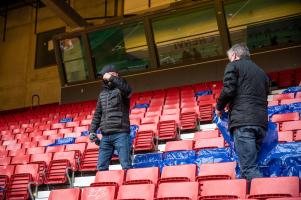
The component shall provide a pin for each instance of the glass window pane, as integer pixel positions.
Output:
(74, 61)
(76, 70)
(264, 23)
(125, 47)
(187, 36)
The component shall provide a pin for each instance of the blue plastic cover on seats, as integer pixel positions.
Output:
(214, 156)
(85, 133)
(145, 105)
(203, 93)
(63, 141)
(268, 143)
(292, 90)
(148, 160)
(295, 107)
(272, 110)
(179, 158)
(65, 120)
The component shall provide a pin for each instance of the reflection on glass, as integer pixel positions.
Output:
(264, 23)
(187, 36)
(125, 47)
(73, 60)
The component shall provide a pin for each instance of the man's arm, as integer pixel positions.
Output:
(97, 117)
(122, 85)
(229, 89)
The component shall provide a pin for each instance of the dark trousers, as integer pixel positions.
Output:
(109, 143)
(247, 142)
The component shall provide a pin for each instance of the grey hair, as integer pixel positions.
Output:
(241, 50)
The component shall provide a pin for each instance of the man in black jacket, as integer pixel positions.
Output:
(111, 117)
(245, 91)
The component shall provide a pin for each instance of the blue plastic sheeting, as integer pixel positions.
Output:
(295, 107)
(63, 141)
(145, 105)
(214, 156)
(268, 143)
(85, 133)
(272, 110)
(292, 90)
(179, 158)
(65, 120)
(148, 160)
(283, 160)
(203, 93)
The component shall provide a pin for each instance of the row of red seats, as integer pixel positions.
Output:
(178, 182)
(281, 99)
(289, 126)
(286, 78)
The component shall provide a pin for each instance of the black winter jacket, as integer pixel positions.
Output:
(246, 87)
(112, 109)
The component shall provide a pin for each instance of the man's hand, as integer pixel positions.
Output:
(93, 137)
(106, 76)
(218, 113)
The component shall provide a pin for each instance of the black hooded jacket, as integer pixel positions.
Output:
(112, 109)
(246, 87)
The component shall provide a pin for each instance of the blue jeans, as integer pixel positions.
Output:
(247, 142)
(109, 143)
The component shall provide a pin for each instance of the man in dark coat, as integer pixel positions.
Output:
(245, 90)
(111, 117)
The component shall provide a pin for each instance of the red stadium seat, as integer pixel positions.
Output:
(274, 187)
(285, 117)
(209, 143)
(72, 124)
(283, 96)
(205, 135)
(150, 120)
(103, 192)
(216, 171)
(291, 126)
(65, 130)
(20, 159)
(5, 161)
(290, 101)
(76, 135)
(82, 139)
(182, 190)
(188, 118)
(59, 167)
(16, 152)
(109, 178)
(35, 150)
(285, 136)
(85, 122)
(44, 143)
(224, 189)
(58, 126)
(24, 176)
(27, 145)
(53, 149)
(80, 129)
(142, 176)
(67, 194)
(179, 145)
(90, 157)
(5, 173)
(141, 191)
(144, 140)
(206, 112)
(297, 137)
(168, 127)
(79, 149)
(178, 173)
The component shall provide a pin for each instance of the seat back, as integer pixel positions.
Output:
(224, 189)
(141, 191)
(142, 175)
(38, 158)
(179, 145)
(178, 173)
(98, 193)
(113, 176)
(35, 150)
(188, 190)
(275, 187)
(224, 170)
(32, 169)
(66, 194)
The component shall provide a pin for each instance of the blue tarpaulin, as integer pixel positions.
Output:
(65, 120)
(145, 105)
(203, 93)
(292, 90)
(63, 141)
